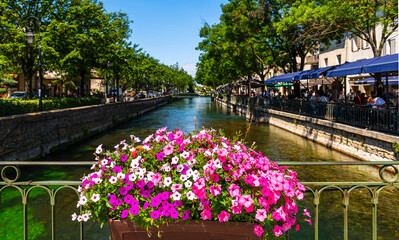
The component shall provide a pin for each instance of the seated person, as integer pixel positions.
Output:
(358, 99)
(377, 103)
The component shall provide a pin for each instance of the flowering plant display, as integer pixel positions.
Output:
(173, 176)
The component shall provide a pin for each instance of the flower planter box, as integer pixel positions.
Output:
(176, 177)
(201, 230)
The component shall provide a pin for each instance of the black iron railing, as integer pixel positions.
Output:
(359, 116)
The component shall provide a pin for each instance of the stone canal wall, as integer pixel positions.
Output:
(360, 143)
(31, 136)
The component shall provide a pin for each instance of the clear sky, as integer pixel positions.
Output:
(168, 30)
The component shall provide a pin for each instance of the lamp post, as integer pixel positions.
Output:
(31, 40)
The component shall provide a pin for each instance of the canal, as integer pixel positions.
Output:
(275, 143)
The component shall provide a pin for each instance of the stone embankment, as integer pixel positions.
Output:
(31, 136)
(360, 143)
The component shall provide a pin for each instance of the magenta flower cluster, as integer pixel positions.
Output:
(174, 176)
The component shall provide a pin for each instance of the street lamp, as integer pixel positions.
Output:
(30, 37)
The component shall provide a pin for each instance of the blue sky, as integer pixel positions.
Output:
(169, 29)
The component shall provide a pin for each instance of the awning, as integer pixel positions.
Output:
(282, 78)
(392, 80)
(349, 68)
(315, 73)
(388, 63)
(303, 73)
(254, 83)
(316, 82)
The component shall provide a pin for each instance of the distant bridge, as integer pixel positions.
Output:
(186, 95)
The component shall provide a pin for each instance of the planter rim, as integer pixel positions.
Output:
(195, 229)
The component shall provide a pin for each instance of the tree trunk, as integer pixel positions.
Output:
(27, 69)
(117, 88)
(82, 84)
(28, 79)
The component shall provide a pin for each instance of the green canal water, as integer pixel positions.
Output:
(275, 143)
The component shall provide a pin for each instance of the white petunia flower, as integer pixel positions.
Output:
(189, 172)
(85, 217)
(179, 168)
(175, 160)
(132, 177)
(95, 197)
(104, 162)
(82, 200)
(121, 175)
(99, 149)
(97, 180)
(167, 181)
(149, 175)
(192, 161)
(190, 195)
(217, 164)
(183, 178)
(176, 196)
(208, 153)
(135, 164)
(188, 184)
(146, 147)
(113, 179)
(148, 138)
(185, 155)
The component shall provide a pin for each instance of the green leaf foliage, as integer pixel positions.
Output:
(21, 106)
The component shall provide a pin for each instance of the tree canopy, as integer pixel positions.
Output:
(254, 37)
(78, 36)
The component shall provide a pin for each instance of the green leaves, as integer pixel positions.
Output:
(20, 106)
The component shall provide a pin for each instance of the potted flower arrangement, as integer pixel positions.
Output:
(173, 177)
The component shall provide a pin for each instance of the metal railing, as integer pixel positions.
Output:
(316, 189)
(365, 117)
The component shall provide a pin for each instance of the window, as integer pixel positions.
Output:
(392, 45)
(353, 45)
(325, 62)
(359, 42)
(356, 44)
(339, 59)
(366, 44)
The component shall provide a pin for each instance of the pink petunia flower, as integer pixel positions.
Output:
(185, 215)
(168, 149)
(258, 230)
(261, 215)
(124, 214)
(215, 190)
(278, 231)
(224, 216)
